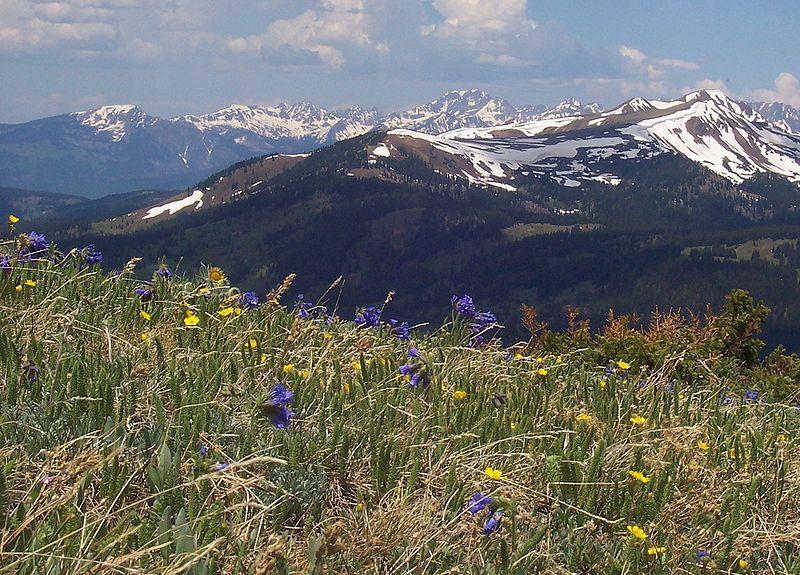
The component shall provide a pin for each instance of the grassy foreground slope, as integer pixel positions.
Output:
(142, 431)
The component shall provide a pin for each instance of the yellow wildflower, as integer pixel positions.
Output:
(518, 356)
(603, 383)
(263, 359)
(639, 476)
(495, 474)
(512, 425)
(781, 438)
(656, 550)
(346, 387)
(289, 368)
(743, 564)
(145, 316)
(191, 319)
(327, 335)
(584, 417)
(225, 312)
(356, 365)
(252, 344)
(539, 360)
(18, 288)
(558, 359)
(623, 365)
(303, 373)
(637, 532)
(541, 371)
(638, 420)
(29, 283)
(216, 275)
(12, 219)
(145, 337)
(459, 394)
(702, 445)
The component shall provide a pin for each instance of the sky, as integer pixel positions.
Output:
(173, 57)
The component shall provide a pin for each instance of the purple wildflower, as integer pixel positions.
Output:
(221, 466)
(31, 371)
(464, 305)
(492, 523)
(91, 255)
(752, 396)
(400, 330)
(277, 409)
(702, 556)
(478, 502)
(5, 263)
(248, 300)
(164, 272)
(145, 293)
(48, 480)
(368, 317)
(203, 449)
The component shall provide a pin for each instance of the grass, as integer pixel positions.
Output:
(134, 445)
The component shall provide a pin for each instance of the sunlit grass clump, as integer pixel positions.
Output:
(177, 425)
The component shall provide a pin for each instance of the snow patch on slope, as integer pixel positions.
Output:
(196, 200)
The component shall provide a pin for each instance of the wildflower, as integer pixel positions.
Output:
(301, 306)
(542, 371)
(638, 420)
(368, 317)
(702, 556)
(253, 344)
(584, 417)
(263, 359)
(603, 383)
(18, 288)
(248, 300)
(277, 408)
(346, 387)
(400, 330)
(743, 564)
(145, 294)
(464, 305)
(414, 371)
(702, 445)
(492, 524)
(356, 365)
(216, 275)
(478, 502)
(518, 356)
(459, 394)
(190, 319)
(656, 550)
(639, 476)
(48, 480)
(29, 283)
(752, 396)
(637, 532)
(145, 316)
(221, 466)
(225, 312)
(5, 263)
(512, 425)
(288, 368)
(623, 365)
(495, 474)
(781, 438)
(32, 243)
(30, 371)
(91, 255)
(12, 219)
(145, 337)
(327, 335)
(164, 272)
(540, 360)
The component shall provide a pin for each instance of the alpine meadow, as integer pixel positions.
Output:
(498, 287)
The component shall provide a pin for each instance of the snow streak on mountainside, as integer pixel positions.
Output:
(783, 115)
(706, 127)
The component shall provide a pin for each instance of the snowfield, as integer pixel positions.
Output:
(196, 200)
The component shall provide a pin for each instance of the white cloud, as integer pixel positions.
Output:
(708, 84)
(475, 20)
(652, 68)
(502, 60)
(326, 32)
(679, 64)
(786, 90)
(633, 54)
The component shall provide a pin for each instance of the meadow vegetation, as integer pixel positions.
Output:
(178, 425)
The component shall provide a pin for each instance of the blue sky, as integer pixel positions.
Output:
(191, 56)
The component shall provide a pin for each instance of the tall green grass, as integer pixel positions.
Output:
(102, 472)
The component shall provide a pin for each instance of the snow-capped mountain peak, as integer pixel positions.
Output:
(116, 120)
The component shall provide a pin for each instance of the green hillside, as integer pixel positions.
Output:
(177, 425)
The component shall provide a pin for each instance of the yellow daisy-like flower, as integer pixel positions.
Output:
(145, 316)
(225, 312)
(702, 445)
(459, 394)
(346, 387)
(518, 356)
(252, 344)
(623, 365)
(216, 275)
(584, 417)
(356, 365)
(303, 373)
(603, 383)
(637, 532)
(558, 359)
(638, 420)
(782, 438)
(541, 371)
(656, 550)
(29, 283)
(743, 564)
(18, 288)
(539, 360)
(263, 359)
(327, 335)
(145, 337)
(639, 476)
(495, 474)
(289, 368)
(191, 319)
(12, 219)
(512, 425)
